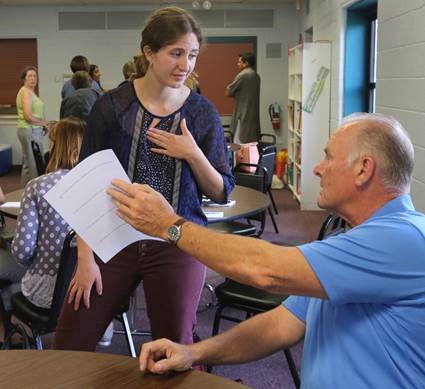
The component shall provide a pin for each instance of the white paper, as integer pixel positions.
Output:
(210, 203)
(80, 198)
(11, 204)
(211, 215)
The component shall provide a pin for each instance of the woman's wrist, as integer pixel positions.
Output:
(195, 156)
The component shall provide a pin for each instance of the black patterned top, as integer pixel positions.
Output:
(119, 121)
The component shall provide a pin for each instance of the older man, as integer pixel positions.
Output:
(363, 322)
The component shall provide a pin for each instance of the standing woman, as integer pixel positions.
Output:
(31, 120)
(95, 74)
(170, 138)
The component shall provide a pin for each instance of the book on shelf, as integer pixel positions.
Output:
(298, 153)
(291, 115)
(297, 117)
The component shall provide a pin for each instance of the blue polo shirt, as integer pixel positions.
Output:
(370, 332)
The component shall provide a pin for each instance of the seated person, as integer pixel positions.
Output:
(10, 271)
(80, 102)
(357, 298)
(40, 230)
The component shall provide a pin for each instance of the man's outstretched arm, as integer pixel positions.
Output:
(253, 339)
(281, 270)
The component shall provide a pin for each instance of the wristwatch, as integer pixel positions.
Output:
(174, 231)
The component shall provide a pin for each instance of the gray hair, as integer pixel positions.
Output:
(385, 139)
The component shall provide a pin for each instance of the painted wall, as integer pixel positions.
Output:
(400, 68)
(111, 48)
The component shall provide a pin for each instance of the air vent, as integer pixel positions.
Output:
(273, 50)
(82, 20)
(135, 20)
(210, 19)
(126, 20)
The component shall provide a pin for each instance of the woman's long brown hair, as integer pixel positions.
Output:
(66, 136)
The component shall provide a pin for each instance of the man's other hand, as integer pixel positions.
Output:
(163, 355)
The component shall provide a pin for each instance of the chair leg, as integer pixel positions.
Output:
(128, 336)
(276, 229)
(217, 318)
(273, 202)
(216, 327)
(292, 368)
(38, 342)
(16, 329)
(210, 289)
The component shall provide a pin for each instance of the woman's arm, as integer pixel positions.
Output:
(26, 107)
(86, 274)
(2, 197)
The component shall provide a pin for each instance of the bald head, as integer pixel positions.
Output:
(383, 138)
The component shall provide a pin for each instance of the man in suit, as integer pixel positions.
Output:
(245, 89)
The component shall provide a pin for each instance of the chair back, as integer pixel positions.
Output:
(268, 161)
(38, 157)
(255, 181)
(267, 143)
(66, 269)
(333, 225)
(228, 135)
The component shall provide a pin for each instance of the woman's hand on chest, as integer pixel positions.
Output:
(177, 146)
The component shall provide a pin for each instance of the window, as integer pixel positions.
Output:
(360, 57)
(372, 64)
(15, 55)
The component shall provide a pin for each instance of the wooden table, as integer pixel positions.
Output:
(87, 370)
(248, 202)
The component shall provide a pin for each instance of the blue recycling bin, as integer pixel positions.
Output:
(5, 158)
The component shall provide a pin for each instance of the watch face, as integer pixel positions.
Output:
(174, 233)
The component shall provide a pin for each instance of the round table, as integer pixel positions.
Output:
(14, 196)
(247, 202)
(77, 369)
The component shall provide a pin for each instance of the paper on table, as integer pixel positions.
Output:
(11, 204)
(80, 198)
(211, 215)
(211, 203)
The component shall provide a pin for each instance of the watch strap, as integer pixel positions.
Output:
(180, 222)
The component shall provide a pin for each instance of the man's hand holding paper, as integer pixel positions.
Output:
(81, 199)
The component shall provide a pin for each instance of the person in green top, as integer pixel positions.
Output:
(31, 120)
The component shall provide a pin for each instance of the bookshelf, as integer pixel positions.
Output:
(308, 118)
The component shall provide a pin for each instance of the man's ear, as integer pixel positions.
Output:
(364, 170)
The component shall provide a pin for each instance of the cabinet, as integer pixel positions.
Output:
(308, 118)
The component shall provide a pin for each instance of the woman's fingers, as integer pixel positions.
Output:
(78, 299)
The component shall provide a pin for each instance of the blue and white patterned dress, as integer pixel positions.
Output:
(38, 241)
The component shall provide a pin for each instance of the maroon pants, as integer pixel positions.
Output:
(172, 282)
